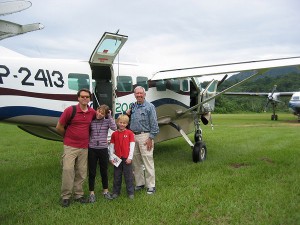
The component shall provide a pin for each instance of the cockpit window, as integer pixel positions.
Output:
(78, 81)
(185, 85)
(296, 97)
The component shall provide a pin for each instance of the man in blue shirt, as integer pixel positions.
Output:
(145, 127)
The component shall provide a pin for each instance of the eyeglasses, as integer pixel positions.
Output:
(81, 96)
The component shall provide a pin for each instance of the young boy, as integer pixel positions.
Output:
(122, 145)
(98, 149)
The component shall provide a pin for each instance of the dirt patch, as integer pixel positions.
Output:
(238, 165)
(267, 160)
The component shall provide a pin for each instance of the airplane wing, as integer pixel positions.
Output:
(260, 65)
(258, 93)
(257, 67)
(10, 29)
(13, 7)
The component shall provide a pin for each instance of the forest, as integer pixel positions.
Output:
(287, 80)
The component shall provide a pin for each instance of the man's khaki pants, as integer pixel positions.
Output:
(143, 158)
(74, 171)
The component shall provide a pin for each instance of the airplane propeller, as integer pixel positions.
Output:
(270, 98)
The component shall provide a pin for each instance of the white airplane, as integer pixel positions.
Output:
(273, 99)
(34, 91)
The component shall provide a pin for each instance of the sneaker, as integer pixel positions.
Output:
(81, 200)
(92, 198)
(131, 196)
(114, 196)
(65, 202)
(108, 196)
(151, 190)
(138, 188)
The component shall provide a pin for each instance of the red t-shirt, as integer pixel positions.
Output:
(121, 140)
(77, 133)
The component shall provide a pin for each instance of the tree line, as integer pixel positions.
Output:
(287, 80)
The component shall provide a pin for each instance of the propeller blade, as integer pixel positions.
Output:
(270, 97)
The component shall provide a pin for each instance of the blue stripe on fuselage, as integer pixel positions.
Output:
(13, 111)
(168, 101)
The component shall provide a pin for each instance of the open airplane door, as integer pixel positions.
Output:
(107, 48)
(209, 92)
(101, 62)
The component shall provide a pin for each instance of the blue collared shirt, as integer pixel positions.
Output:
(144, 119)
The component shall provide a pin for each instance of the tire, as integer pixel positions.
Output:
(199, 152)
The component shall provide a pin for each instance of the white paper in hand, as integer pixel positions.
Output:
(116, 160)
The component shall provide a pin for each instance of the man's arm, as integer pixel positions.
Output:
(154, 129)
(60, 129)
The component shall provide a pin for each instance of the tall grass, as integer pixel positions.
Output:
(251, 176)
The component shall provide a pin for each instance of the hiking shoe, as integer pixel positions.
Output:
(92, 198)
(138, 188)
(151, 190)
(81, 200)
(108, 196)
(65, 202)
(114, 196)
(131, 196)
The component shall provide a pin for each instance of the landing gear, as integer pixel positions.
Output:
(199, 152)
(198, 136)
(274, 116)
(199, 148)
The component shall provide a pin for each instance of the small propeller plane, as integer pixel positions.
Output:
(34, 91)
(273, 99)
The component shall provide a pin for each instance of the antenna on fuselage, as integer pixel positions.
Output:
(118, 64)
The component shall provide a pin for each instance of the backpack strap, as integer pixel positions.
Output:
(72, 116)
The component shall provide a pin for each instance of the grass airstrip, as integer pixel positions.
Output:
(251, 176)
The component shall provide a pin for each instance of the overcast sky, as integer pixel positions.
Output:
(175, 33)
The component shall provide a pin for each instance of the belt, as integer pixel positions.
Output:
(143, 132)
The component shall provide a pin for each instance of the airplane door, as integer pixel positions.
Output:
(209, 92)
(107, 48)
(101, 62)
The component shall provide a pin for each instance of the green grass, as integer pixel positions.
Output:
(251, 176)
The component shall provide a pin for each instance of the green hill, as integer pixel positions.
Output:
(286, 79)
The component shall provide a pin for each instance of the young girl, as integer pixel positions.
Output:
(98, 149)
(122, 145)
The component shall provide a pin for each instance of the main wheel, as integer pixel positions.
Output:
(199, 152)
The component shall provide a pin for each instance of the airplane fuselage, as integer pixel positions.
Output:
(294, 104)
(34, 93)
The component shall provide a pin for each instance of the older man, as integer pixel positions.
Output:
(145, 127)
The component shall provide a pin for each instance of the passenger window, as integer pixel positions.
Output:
(124, 83)
(142, 81)
(78, 81)
(161, 85)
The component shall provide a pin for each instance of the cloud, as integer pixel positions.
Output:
(171, 34)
